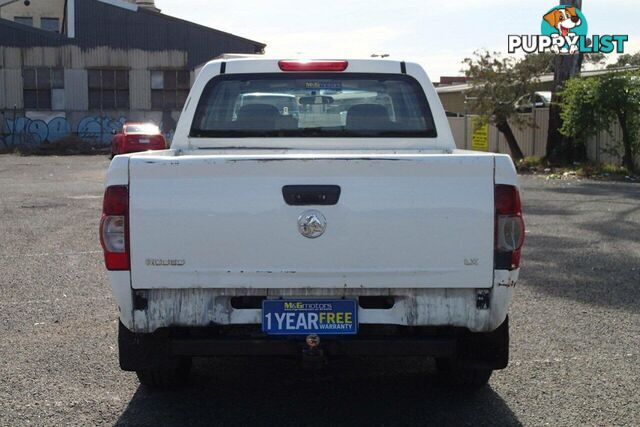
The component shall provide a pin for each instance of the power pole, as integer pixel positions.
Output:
(559, 148)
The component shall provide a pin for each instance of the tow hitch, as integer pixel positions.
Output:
(312, 354)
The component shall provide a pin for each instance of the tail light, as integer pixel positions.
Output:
(509, 227)
(291, 65)
(114, 227)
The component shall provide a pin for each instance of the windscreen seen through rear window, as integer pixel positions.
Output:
(310, 104)
(148, 129)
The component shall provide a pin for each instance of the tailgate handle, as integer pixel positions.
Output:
(302, 195)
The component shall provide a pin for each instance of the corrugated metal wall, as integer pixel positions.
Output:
(76, 88)
(11, 88)
(100, 24)
(75, 57)
(13, 34)
(140, 89)
(18, 126)
(106, 25)
(76, 61)
(107, 37)
(532, 138)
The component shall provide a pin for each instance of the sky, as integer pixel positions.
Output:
(437, 34)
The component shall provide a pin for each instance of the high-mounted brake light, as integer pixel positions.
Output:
(311, 65)
(509, 227)
(114, 227)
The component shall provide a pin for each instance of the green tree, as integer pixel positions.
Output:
(497, 83)
(596, 59)
(593, 104)
(627, 60)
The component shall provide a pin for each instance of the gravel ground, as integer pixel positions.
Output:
(575, 325)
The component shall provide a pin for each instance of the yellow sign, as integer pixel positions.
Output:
(480, 137)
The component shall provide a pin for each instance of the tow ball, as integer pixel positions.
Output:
(312, 354)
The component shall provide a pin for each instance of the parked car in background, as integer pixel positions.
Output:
(136, 137)
(526, 103)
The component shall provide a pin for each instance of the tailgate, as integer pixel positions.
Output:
(401, 221)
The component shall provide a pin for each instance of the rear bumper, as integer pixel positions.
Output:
(371, 340)
(162, 308)
(435, 347)
(486, 350)
(413, 306)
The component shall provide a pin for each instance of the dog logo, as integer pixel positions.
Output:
(563, 21)
(564, 31)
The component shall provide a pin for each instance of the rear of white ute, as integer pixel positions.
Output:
(312, 208)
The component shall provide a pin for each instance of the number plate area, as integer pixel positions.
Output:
(303, 317)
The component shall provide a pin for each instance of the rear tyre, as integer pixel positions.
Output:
(452, 374)
(149, 355)
(166, 377)
(478, 355)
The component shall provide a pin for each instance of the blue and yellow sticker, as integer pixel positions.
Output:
(302, 317)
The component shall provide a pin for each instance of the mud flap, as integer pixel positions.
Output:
(144, 351)
(486, 350)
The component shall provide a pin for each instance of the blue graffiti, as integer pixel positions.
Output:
(93, 129)
(99, 128)
(58, 128)
(26, 131)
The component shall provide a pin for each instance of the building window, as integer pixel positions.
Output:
(43, 88)
(24, 20)
(169, 89)
(50, 24)
(109, 89)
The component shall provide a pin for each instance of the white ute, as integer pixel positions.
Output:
(332, 215)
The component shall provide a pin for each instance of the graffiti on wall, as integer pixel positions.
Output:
(25, 130)
(97, 130)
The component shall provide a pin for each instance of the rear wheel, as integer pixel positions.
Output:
(478, 355)
(455, 375)
(149, 355)
(166, 377)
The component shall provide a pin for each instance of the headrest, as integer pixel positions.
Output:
(257, 116)
(368, 117)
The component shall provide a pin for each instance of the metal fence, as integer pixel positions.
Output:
(18, 130)
(532, 137)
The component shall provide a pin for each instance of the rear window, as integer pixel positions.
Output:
(147, 129)
(315, 105)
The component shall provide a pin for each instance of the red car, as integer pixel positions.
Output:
(137, 137)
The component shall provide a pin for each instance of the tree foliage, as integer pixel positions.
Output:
(594, 104)
(597, 60)
(627, 60)
(497, 83)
